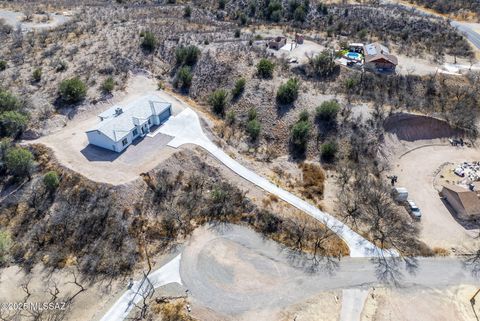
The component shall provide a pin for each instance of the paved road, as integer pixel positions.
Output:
(186, 129)
(471, 35)
(234, 270)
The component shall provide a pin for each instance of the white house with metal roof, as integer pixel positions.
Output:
(119, 126)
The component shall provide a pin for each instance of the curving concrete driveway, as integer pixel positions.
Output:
(186, 129)
(169, 273)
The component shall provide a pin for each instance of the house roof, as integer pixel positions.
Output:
(376, 51)
(117, 125)
(467, 198)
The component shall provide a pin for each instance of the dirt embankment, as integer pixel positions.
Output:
(412, 127)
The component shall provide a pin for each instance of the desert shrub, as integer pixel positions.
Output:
(300, 133)
(8, 101)
(329, 151)
(313, 180)
(187, 55)
(322, 8)
(265, 68)
(328, 111)
(274, 11)
(300, 14)
(184, 77)
(221, 4)
(108, 85)
(3, 65)
(253, 129)
(268, 223)
(60, 65)
(218, 101)
(19, 161)
(149, 42)
(187, 12)
(72, 90)
(239, 87)
(323, 64)
(12, 123)
(37, 75)
(237, 33)
(51, 181)
(5, 244)
(230, 117)
(288, 92)
(252, 114)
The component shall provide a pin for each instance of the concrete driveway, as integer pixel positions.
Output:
(186, 129)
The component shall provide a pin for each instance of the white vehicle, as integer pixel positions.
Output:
(414, 210)
(400, 194)
(459, 171)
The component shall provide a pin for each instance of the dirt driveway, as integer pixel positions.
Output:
(71, 148)
(416, 171)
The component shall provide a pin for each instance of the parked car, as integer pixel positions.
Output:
(399, 194)
(459, 171)
(414, 210)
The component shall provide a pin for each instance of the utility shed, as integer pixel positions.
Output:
(119, 126)
(464, 201)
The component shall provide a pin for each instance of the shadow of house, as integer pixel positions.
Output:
(99, 154)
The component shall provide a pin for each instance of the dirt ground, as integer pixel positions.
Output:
(417, 170)
(38, 21)
(85, 305)
(426, 305)
(71, 148)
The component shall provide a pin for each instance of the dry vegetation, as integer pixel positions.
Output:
(106, 230)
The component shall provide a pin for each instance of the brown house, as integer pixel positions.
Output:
(464, 201)
(378, 58)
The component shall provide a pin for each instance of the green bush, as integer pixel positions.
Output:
(218, 101)
(329, 151)
(72, 90)
(187, 12)
(288, 92)
(253, 129)
(300, 133)
(19, 161)
(187, 55)
(221, 4)
(108, 85)
(51, 181)
(3, 65)
(252, 114)
(8, 101)
(5, 244)
(231, 117)
(328, 111)
(184, 77)
(304, 116)
(239, 87)
(265, 68)
(149, 42)
(12, 123)
(237, 33)
(37, 75)
(323, 64)
(300, 14)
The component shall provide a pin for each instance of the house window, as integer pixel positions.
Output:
(149, 122)
(124, 141)
(135, 132)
